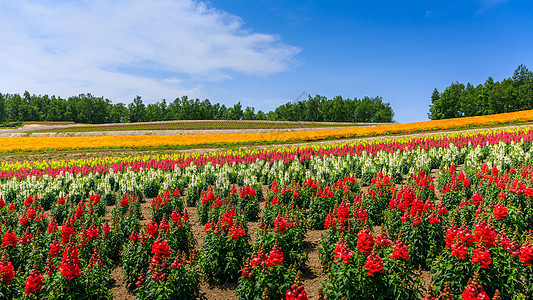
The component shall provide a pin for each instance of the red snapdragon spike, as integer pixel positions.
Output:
(342, 253)
(296, 292)
(67, 231)
(7, 271)
(92, 233)
(482, 256)
(374, 264)
(281, 224)
(382, 240)
(152, 229)
(500, 212)
(483, 232)
(400, 251)
(160, 248)
(70, 263)
(9, 239)
(227, 219)
(330, 222)
(473, 292)
(34, 283)
(236, 232)
(365, 241)
(459, 250)
(55, 247)
(208, 227)
(526, 254)
(275, 257)
(105, 227)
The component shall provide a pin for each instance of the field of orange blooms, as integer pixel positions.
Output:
(15, 144)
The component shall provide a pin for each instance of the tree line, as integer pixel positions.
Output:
(511, 94)
(86, 108)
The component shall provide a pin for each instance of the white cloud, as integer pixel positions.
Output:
(488, 4)
(154, 48)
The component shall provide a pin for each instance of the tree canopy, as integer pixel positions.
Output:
(459, 100)
(86, 108)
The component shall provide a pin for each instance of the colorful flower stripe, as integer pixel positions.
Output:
(11, 144)
(286, 154)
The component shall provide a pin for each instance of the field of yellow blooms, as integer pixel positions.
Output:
(15, 144)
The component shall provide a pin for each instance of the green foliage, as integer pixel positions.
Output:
(458, 100)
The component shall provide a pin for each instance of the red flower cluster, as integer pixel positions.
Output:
(9, 239)
(7, 271)
(500, 212)
(382, 240)
(474, 292)
(342, 253)
(296, 292)
(152, 229)
(485, 233)
(55, 247)
(160, 248)
(365, 241)
(67, 231)
(34, 283)
(70, 264)
(236, 232)
(374, 264)
(247, 191)
(399, 251)
(226, 222)
(482, 257)
(92, 233)
(281, 224)
(526, 254)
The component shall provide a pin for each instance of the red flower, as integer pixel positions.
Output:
(482, 257)
(92, 232)
(236, 232)
(227, 219)
(526, 254)
(296, 293)
(500, 212)
(417, 221)
(7, 271)
(382, 240)
(400, 251)
(477, 199)
(70, 264)
(152, 229)
(365, 241)
(374, 264)
(474, 292)
(55, 247)
(275, 257)
(208, 227)
(34, 283)
(105, 227)
(433, 219)
(281, 224)
(67, 231)
(52, 226)
(330, 222)
(9, 239)
(160, 248)
(342, 253)
(459, 251)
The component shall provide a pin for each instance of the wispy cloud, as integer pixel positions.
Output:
(488, 4)
(155, 48)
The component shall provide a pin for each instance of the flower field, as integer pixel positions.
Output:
(30, 143)
(407, 218)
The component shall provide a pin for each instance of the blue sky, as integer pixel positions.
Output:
(262, 53)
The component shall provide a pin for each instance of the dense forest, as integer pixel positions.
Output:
(458, 100)
(87, 108)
